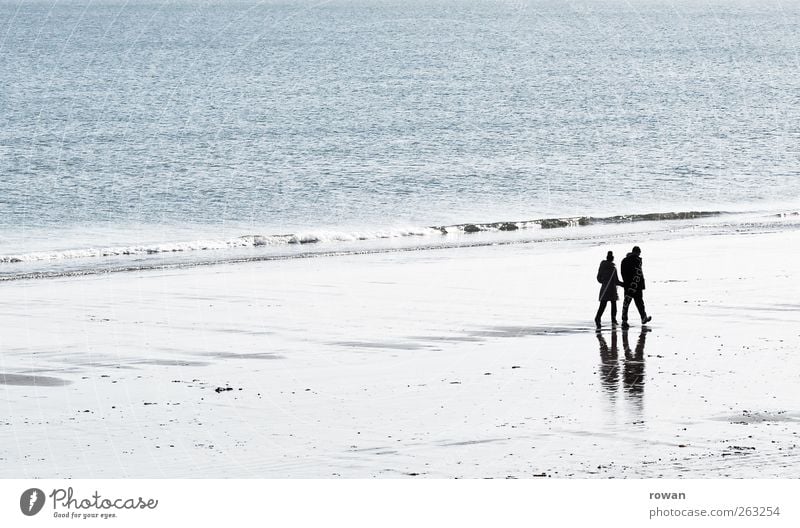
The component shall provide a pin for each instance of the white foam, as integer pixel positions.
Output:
(243, 241)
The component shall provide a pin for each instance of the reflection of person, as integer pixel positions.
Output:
(633, 372)
(609, 364)
(609, 280)
(633, 281)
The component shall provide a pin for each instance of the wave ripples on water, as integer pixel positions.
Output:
(151, 133)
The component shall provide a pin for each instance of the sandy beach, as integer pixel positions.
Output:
(468, 362)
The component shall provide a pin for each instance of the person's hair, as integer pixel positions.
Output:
(610, 255)
(636, 249)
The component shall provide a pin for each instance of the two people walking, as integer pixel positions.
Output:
(632, 282)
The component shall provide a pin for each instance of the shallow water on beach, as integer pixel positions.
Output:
(465, 362)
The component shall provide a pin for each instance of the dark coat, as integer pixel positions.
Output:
(631, 268)
(608, 279)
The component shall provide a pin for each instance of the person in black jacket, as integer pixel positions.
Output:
(633, 282)
(609, 280)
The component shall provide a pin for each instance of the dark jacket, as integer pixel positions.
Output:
(608, 279)
(632, 275)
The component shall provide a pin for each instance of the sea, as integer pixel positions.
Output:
(139, 134)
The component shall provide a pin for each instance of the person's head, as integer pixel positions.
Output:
(636, 250)
(610, 256)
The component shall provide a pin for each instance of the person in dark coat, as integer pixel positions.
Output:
(633, 282)
(609, 280)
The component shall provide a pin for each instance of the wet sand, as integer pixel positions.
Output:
(474, 362)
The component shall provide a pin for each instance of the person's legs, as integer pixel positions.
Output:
(639, 299)
(625, 305)
(614, 312)
(600, 311)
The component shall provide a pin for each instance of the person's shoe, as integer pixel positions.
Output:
(625, 325)
(614, 322)
(647, 319)
(597, 322)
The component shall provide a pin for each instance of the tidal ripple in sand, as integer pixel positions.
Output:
(31, 380)
(474, 442)
(751, 417)
(243, 355)
(520, 331)
(378, 344)
(172, 363)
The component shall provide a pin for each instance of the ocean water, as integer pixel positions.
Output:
(131, 129)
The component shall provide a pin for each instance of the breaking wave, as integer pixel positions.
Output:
(315, 237)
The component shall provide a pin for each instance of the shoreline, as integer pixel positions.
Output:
(247, 249)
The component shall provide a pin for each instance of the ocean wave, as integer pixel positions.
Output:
(322, 236)
(554, 223)
(243, 241)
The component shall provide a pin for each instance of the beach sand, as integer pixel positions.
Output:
(471, 362)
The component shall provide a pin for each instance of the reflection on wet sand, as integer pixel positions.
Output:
(632, 367)
(609, 364)
(633, 372)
